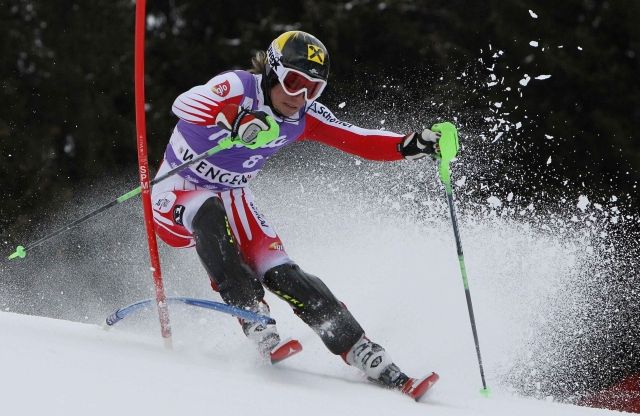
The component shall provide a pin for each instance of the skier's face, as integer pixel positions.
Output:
(285, 104)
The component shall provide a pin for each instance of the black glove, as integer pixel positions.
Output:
(417, 145)
(243, 123)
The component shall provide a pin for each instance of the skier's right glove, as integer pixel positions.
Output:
(247, 125)
(438, 142)
(448, 143)
(418, 145)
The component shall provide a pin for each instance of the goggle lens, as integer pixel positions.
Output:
(295, 82)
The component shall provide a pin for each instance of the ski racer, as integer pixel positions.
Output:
(210, 205)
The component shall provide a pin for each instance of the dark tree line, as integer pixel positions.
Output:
(66, 74)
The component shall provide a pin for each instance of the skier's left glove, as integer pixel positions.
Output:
(418, 145)
(246, 125)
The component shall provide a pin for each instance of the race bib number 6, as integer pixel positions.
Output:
(251, 162)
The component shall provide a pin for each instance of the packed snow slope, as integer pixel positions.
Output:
(57, 367)
(384, 247)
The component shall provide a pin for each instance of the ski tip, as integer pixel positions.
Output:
(485, 392)
(285, 349)
(416, 388)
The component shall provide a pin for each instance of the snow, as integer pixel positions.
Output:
(583, 203)
(57, 367)
(535, 16)
(391, 261)
(494, 201)
(533, 43)
(410, 300)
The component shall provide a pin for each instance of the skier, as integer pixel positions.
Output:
(211, 207)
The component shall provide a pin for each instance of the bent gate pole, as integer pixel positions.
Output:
(143, 163)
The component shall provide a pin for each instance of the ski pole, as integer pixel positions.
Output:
(262, 138)
(449, 146)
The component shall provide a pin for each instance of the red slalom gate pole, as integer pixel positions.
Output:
(143, 164)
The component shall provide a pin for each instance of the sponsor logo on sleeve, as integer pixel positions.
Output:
(326, 114)
(222, 89)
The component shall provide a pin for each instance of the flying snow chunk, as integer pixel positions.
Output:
(534, 43)
(541, 77)
(518, 125)
(583, 203)
(510, 197)
(498, 104)
(494, 202)
(524, 81)
(342, 104)
(535, 16)
(549, 160)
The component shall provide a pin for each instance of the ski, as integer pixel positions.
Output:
(411, 387)
(416, 388)
(285, 349)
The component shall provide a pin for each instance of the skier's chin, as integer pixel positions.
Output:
(288, 110)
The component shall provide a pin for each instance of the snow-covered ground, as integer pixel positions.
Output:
(57, 367)
(398, 276)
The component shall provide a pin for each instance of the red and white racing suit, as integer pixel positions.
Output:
(226, 175)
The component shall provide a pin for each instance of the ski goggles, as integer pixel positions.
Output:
(294, 82)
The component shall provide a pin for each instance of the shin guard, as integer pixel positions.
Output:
(314, 303)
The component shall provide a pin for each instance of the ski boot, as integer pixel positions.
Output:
(267, 339)
(379, 368)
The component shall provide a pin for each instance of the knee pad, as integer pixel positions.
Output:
(219, 254)
(314, 303)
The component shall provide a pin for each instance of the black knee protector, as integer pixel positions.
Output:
(221, 258)
(314, 303)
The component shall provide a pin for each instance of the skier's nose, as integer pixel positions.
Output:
(298, 100)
